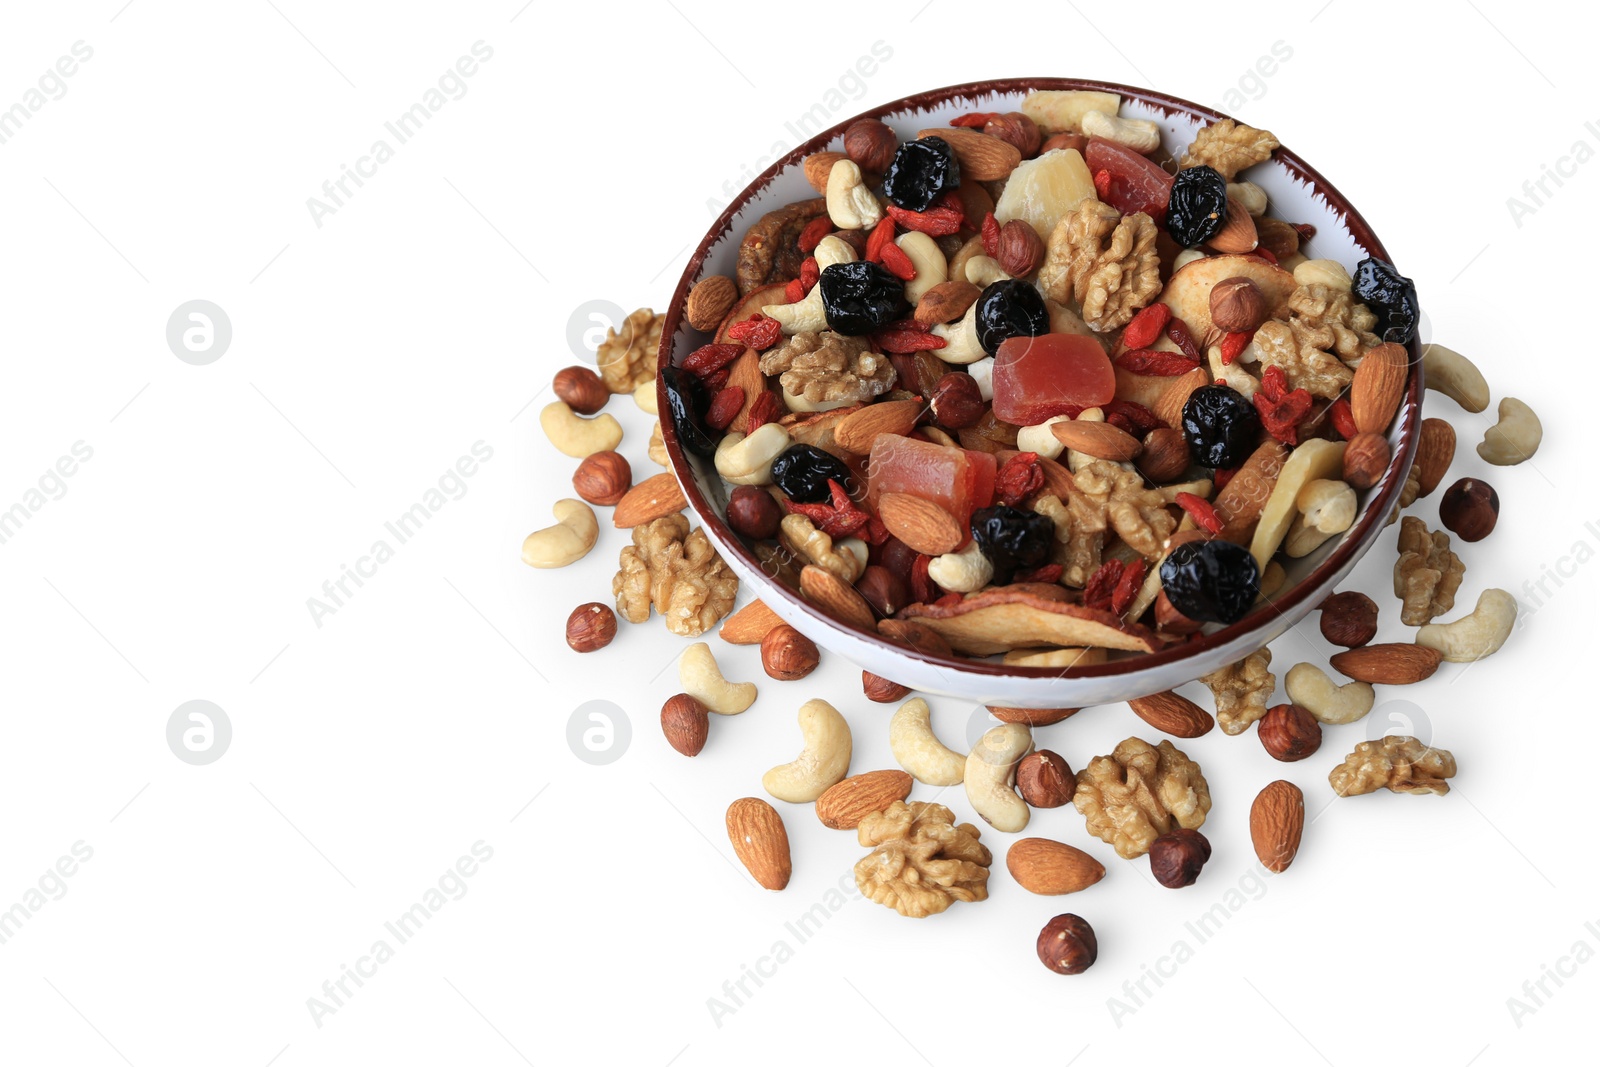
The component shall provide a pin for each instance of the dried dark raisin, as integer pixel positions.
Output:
(1221, 426)
(1211, 581)
(801, 473)
(1391, 296)
(861, 297)
(1010, 308)
(687, 401)
(1197, 206)
(1012, 539)
(920, 171)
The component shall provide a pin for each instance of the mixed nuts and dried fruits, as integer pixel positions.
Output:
(1030, 387)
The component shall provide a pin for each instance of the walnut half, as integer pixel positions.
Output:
(1427, 574)
(828, 368)
(1140, 792)
(1397, 763)
(1104, 261)
(627, 357)
(921, 861)
(1242, 691)
(677, 573)
(1229, 147)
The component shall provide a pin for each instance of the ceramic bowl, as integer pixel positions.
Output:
(1297, 193)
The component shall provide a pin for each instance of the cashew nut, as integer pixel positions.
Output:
(961, 339)
(932, 268)
(746, 459)
(1328, 272)
(1064, 320)
(1251, 197)
(702, 679)
(966, 571)
(1302, 538)
(1311, 688)
(1141, 135)
(1514, 438)
(851, 204)
(915, 748)
(1077, 460)
(823, 761)
(990, 772)
(568, 541)
(1476, 635)
(1186, 257)
(1457, 377)
(1039, 438)
(1233, 375)
(577, 436)
(842, 560)
(808, 316)
(984, 271)
(645, 397)
(982, 372)
(1328, 505)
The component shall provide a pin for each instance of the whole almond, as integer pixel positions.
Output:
(1032, 716)
(1379, 384)
(745, 372)
(1169, 405)
(1277, 819)
(835, 598)
(923, 525)
(843, 805)
(1366, 457)
(857, 430)
(1173, 714)
(651, 499)
(749, 624)
(946, 302)
(881, 690)
(685, 723)
(1387, 664)
(710, 301)
(1051, 868)
(1098, 439)
(818, 166)
(756, 832)
(982, 158)
(1238, 232)
(1436, 448)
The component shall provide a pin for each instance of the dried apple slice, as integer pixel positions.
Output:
(1188, 294)
(1057, 657)
(1002, 620)
(1312, 460)
(1242, 500)
(1062, 110)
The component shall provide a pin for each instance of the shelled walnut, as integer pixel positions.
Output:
(828, 368)
(1140, 792)
(1229, 147)
(835, 557)
(1397, 763)
(921, 861)
(1330, 318)
(1305, 364)
(1104, 261)
(627, 357)
(677, 573)
(1427, 574)
(1242, 691)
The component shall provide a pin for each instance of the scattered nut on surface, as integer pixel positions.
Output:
(1477, 635)
(1449, 372)
(1427, 574)
(590, 627)
(702, 679)
(581, 389)
(576, 436)
(1140, 792)
(1349, 619)
(787, 654)
(1397, 763)
(1289, 733)
(922, 862)
(1469, 509)
(685, 724)
(1177, 857)
(1242, 690)
(881, 690)
(568, 541)
(990, 773)
(1045, 780)
(923, 755)
(677, 573)
(824, 758)
(627, 356)
(843, 805)
(755, 829)
(1311, 688)
(1514, 438)
(1052, 868)
(1277, 820)
(603, 478)
(1067, 945)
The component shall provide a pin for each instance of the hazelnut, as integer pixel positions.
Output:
(1170, 620)
(1066, 945)
(1176, 858)
(1045, 780)
(1469, 509)
(1020, 250)
(591, 627)
(685, 723)
(1349, 619)
(603, 478)
(1366, 457)
(787, 654)
(1289, 733)
(1166, 455)
(880, 690)
(581, 389)
(1075, 141)
(871, 145)
(956, 402)
(1237, 306)
(1017, 130)
(753, 513)
(884, 590)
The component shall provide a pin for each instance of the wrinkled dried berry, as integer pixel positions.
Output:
(801, 473)
(920, 171)
(1211, 581)
(1197, 206)
(687, 401)
(1391, 296)
(1221, 426)
(861, 297)
(1010, 308)
(1012, 539)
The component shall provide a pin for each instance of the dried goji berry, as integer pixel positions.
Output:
(1305, 230)
(882, 234)
(763, 411)
(1102, 184)
(949, 600)
(942, 219)
(1200, 510)
(905, 336)
(1160, 364)
(1141, 418)
(924, 590)
(1281, 416)
(1266, 255)
(990, 234)
(795, 291)
(1233, 344)
(1344, 419)
(1018, 478)
(717, 379)
(815, 231)
(1145, 328)
(810, 271)
(1274, 382)
(708, 359)
(1101, 584)
(875, 533)
(838, 518)
(1222, 477)
(1178, 334)
(1128, 585)
(724, 406)
(758, 332)
(1049, 573)
(898, 263)
(974, 119)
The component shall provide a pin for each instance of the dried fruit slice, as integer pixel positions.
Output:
(1134, 183)
(1312, 460)
(1042, 190)
(1001, 620)
(1062, 110)
(955, 479)
(1038, 378)
(1188, 294)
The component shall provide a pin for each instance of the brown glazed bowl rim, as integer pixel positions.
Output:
(1344, 555)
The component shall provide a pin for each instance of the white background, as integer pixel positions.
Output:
(430, 711)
